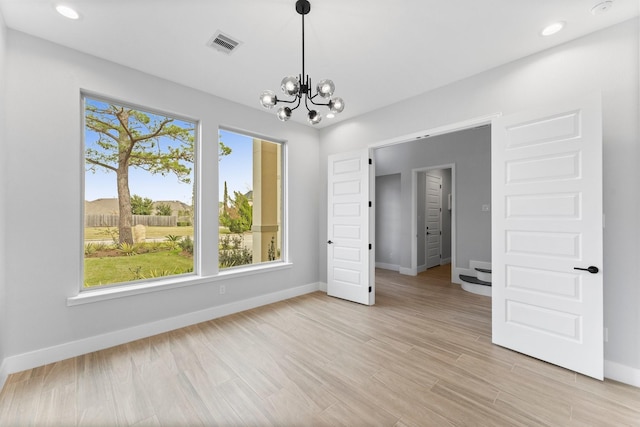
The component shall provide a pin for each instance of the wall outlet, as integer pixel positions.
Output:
(485, 208)
(223, 289)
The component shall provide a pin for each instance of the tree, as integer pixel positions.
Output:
(163, 209)
(140, 206)
(223, 150)
(128, 138)
(239, 217)
(225, 199)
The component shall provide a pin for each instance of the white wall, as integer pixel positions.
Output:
(606, 61)
(3, 181)
(388, 221)
(470, 151)
(44, 161)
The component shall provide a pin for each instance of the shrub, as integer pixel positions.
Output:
(127, 249)
(186, 244)
(232, 252)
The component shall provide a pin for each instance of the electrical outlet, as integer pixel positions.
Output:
(223, 289)
(485, 208)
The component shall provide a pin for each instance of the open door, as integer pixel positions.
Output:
(433, 220)
(547, 234)
(349, 247)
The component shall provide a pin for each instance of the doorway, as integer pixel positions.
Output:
(434, 217)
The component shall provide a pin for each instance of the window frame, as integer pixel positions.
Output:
(197, 130)
(284, 254)
(201, 255)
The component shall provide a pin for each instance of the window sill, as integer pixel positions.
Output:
(104, 294)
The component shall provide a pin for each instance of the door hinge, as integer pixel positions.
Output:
(369, 289)
(370, 161)
(369, 204)
(369, 246)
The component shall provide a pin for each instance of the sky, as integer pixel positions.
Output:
(235, 168)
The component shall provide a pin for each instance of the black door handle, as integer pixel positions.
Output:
(591, 269)
(330, 242)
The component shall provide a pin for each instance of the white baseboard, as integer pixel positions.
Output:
(408, 271)
(44, 356)
(3, 373)
(385, 266)
(322, 286)
(622, 373)
(422, 268)
(445, 261)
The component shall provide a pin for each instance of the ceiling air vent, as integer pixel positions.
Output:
(223, 43)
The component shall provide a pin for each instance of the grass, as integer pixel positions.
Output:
(109, 270)
(100, 233)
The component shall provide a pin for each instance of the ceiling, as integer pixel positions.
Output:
(377, 52)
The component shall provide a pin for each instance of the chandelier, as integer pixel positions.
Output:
(295, 88)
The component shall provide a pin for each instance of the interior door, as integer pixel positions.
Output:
(349, 245)
(547, 234)
(433, 222)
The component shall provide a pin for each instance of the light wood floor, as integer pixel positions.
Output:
(422, 356)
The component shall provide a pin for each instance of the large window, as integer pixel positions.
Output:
(138, 194)
(250, 200)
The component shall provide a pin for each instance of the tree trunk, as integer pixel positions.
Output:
(125, 221)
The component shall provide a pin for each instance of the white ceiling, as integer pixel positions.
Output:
(377, 52)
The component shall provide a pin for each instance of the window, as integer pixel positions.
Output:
(250, 200)
(138, 194)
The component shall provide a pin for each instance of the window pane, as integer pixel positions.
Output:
(250, 198)
(138, 194)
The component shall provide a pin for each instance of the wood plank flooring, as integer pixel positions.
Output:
(422, 356)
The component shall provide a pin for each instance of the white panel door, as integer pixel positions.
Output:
(433, 220)
(547, 228)
(349, 253)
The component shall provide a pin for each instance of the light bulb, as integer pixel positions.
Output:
(290, 86)
(325, 88)
(284, 114)
(336, 105)
(268, 99)
(314, 117)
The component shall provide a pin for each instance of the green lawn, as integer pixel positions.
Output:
(119, 269)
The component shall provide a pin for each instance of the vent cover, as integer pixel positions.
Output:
(223, 43)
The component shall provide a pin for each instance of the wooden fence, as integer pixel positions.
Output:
(101, 220)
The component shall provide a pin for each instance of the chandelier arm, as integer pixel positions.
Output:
(317, 103)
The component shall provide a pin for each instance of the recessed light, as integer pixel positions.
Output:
(553, 28)
(330, 116)
(601, 7)
(67, 12)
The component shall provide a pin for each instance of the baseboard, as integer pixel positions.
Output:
(445, 261)
(408, 271)
(44, 356)
(622, 373)
(422, 268)
(322, 286)
(385, 266)
(4, 374)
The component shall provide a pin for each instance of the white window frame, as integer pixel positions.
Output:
(204, 255)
